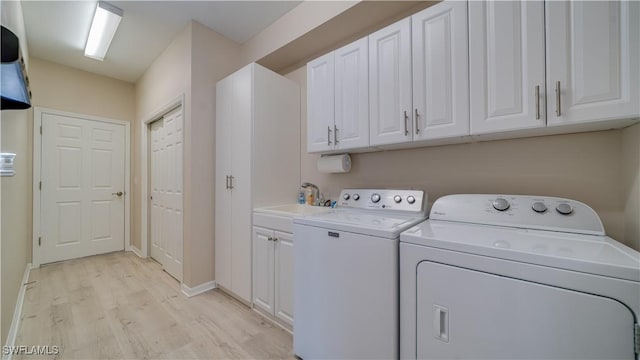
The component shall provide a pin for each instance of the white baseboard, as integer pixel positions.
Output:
(197, 290)
(136, 251)
(17, 312)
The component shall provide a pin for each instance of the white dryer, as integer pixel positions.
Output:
(515, 277)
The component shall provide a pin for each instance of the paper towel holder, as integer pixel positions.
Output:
(335, 163)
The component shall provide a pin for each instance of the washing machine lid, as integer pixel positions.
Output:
(593, 254)
(372, 223)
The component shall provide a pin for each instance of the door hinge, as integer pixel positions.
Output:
(40, 129)
(39, 240)
(636, 338)
(40, 185)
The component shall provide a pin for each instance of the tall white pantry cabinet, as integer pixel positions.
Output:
(257, 163)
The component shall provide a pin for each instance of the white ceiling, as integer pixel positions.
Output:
(57, 30)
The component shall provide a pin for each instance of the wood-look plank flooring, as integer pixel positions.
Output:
(118, 306)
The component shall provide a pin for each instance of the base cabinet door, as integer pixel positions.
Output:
(284, 277)
(593, 70)
(263, 269)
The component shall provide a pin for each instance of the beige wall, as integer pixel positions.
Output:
(586, 167)
(64, 88)
(213, 58)
(167, 78)
(191, 65)
(15, 198)
(16, 210)
(631, 184)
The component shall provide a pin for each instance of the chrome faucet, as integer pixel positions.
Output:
(315, 192)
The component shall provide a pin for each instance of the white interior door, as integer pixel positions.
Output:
(83, 184)
(166, 199)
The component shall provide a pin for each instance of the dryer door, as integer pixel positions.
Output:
(465, 313)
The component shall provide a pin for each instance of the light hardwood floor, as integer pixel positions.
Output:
(118, 306)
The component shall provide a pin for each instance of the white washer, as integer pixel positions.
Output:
(516, 277)
(346, 275)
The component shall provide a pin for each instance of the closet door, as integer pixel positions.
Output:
(593, 61)
(506, 65)
(391, 120)
(440, 71)
(157, 244)
(224, 116)
(240, 182)
(172, 222)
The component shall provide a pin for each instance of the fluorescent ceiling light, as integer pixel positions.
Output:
(104, 26)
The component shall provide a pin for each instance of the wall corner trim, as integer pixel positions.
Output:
(136, 251)
(17, 312)
(199, 289)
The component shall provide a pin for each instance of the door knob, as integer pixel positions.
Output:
(118, 194)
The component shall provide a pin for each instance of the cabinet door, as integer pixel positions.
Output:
(440, 71)
(593, 58)
(320, 104)
(223, 194)
(263, 269)
(241, 206)
(284, 277)
(352, 95)
(506, 65)
(391, 120)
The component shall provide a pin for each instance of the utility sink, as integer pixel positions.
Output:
(280, 217)
(294, 209)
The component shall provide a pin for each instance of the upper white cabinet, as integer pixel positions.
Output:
(390, 103)
(506, 65)
(440, 71)
(351, 129)
(592, 60)
(338, 99)
(257, 163)
(320, 104)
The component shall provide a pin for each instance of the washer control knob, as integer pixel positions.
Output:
(411, 199)
(539, 207)
(356, 197)
(564, 209)
(500, 204)
(397, 198)
(375, 198)
(346, 196)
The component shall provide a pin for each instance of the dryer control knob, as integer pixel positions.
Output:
(411, 199)
(500, 204)
(564, 209)
(375, 198)
(539, 207)
(397, 198)
(346, 196)
(356, 197)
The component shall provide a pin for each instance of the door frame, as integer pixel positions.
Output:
(145, 165)
(37, 176)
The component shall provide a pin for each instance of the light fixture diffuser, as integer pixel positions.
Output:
(105, 23)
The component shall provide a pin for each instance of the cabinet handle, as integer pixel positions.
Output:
(227, 182)
(406, 128)
(230, 181)
(335, 134)
(558, 112)
(275, 239)
(537, 94)
(269, 238)
(328, 135)
(417, 128)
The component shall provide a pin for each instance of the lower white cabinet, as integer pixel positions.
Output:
(273, 274)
